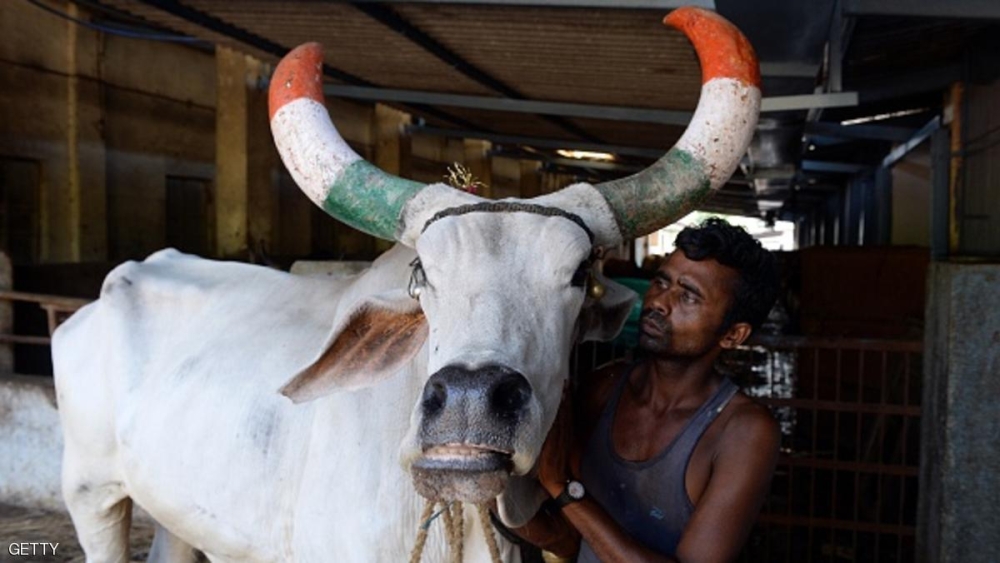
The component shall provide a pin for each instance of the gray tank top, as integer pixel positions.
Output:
(648, 499)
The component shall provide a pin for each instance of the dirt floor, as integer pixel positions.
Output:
(18, 524)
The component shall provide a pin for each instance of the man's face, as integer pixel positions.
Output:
(683, 311)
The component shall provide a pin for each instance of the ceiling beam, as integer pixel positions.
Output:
(809, 101)
(538, 142)
(919, 137)
(964, 9)
(834, 167)
(593, 111)
(615, 4)
(779, 69)
(588, 164)
(615, 113)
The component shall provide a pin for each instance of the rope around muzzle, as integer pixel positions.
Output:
(454, 530)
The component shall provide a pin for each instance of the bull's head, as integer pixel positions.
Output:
(499, 289)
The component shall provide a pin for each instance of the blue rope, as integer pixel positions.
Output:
(427, 523)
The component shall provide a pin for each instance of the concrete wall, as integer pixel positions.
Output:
(50, 112)
(110, 119)
(911, 198)
(958, 519)
(30, 443)
(112, 122)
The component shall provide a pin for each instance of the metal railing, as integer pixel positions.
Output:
(845, 488)
(57, 309)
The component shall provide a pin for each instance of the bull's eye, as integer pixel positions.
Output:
(581, 274)
(418, 280)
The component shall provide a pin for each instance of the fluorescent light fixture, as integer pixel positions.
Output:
(586, 155)
(882, 116)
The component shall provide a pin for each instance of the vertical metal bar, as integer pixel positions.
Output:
(812, 449)
(857, 447)
(839, 378)
(880, 428)
(796, 386)
(905, 458)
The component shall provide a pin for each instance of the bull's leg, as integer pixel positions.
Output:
(98, 503)
(168, 548)
(102, 515)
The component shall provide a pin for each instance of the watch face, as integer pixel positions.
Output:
(575, 490)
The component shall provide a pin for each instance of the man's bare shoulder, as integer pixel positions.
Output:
(749, 422)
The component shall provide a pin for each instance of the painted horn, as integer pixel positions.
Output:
(715, 140)
(325, 168)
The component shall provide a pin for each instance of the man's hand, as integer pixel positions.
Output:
(554, 460)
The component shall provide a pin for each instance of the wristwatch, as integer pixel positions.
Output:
(573, 492)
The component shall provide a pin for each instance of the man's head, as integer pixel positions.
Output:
(713, 291)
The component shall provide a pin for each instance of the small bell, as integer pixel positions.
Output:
(595, 289)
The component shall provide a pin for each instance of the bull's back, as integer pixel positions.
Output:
(171, 379)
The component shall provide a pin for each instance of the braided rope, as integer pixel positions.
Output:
(491, 540)
(457, 531)
(418, 547)
(454, 530)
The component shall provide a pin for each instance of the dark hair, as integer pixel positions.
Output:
(732, 246)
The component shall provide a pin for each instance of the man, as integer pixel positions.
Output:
(670, 462)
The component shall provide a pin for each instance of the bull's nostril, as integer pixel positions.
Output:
(435, 397)
(510, 396)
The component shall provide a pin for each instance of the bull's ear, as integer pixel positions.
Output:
(604, 318)
(373, 341)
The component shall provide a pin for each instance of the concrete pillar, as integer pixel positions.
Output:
(452, 152)
(242, 158)
(263, 192)
(479, 163)
(74, 213)
(957, 518)
(531, 180)
(392, 145)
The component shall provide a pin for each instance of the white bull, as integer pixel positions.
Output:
(441, 374)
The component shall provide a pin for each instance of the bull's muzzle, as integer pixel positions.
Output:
(469, 418)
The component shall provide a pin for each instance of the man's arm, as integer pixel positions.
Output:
(560, 459)
(610, 543)
(550, 531)
(741, 476)
(560, 456)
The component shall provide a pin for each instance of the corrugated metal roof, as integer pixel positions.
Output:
(610, 57)
(597, 56)
(607, 57)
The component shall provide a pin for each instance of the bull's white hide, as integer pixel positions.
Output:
(203, 441)
(168, 390)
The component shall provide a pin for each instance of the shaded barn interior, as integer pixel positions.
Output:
(127, 126)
